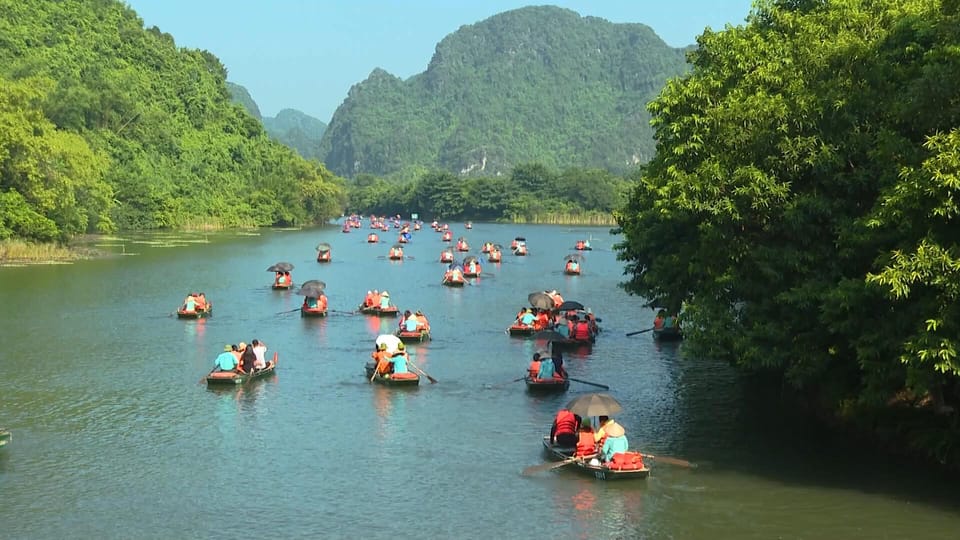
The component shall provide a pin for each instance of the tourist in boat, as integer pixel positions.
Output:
(542, 321)
(472, 267)
(558, 370)
(562, 327)
(368, 299)
(659, 320)
(384, 300)
(322, 302)
(586, 446)
(606, 423)
(375, 298)
(614, 443)
(422, 323)
(310, 302)
(546, 370)
(201, 301)
(190, 303)
(403, 319)
(563, 433)
(227, 360)
(573, 266)
(592, 322)
(411, 324)
(248, 360)
(580, 329)
(260, 351)
(527, 318)
(398, 362)
(534, 368)
(557, 299)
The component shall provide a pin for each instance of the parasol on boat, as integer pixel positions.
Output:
(550, 335)
(540, 300)
(570, 305)
(594, 404)
(312, 288)
(573, 257)
(323, 247)
(390, 340)
(280, 267)
(520, 239)
(469, 259)
(397, 246)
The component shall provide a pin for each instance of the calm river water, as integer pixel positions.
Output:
(114, 437)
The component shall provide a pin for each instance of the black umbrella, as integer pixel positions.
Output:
(313, 283)
(520, 239)
(398, 246)
(540, 300)
(312, 292)
(594, 405)
(468, 259)
(570, 305)
(323, 247)
(573, 257)
(498, 246)
(455, 264)
(281, 267)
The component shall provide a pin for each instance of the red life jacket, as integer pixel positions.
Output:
(586, 446)
(581, 332)
(534, 368)
(566, 422)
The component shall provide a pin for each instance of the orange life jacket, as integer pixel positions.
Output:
(586, 446)
(581, 331)
(534, 368)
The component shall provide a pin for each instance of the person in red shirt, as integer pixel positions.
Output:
(564, 430)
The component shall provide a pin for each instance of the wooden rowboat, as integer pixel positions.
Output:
(521, 330)
(282, 286)
(413, 337)
(5, 437)
(197, 314)
(312, 312)
(570, 343)
(673, 333)
(545, 386)
(389, 311)
(398, 380)
(571, 272)
(454, 283)
(231, 378)
(583, 466)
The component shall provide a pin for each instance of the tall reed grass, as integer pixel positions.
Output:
(19, 251)
(566, 218)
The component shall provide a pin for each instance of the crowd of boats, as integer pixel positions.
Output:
(562, 324)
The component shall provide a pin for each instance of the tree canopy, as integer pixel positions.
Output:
(801, 206)
(105, 124)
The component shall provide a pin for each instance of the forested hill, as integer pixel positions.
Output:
(291, 127)
(537, 84)
(105, 124)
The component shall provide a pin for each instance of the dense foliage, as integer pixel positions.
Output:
(532, 192)
(104, 124)
(537, 84)
(802, 204)
(291, 127)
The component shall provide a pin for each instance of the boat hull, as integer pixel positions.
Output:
(572, 272)
(278, 287)
(391, 311)
(5, 437)
(237, 379)
(413, 337)
(546, 386)
(583, 466)
(387, 380)
(668, 334)
(308, 312)
(200, 314)
(521, 331)
(454, 283)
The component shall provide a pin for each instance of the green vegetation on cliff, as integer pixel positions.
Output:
(533, 85)
(104, 124)
(802, 208)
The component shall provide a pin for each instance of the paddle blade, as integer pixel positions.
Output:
(534, 469)
(672, 461)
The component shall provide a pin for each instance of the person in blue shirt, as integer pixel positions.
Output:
(399, 360)
(615, 442)
(528, 317)
(384, 300)
(227, 361)
(410, 324)
(546, 368)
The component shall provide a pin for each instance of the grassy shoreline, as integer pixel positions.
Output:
(15, 252)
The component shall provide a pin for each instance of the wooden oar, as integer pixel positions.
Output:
(671, 461)
(508, 382)
(639, 331)
(547, 466)
(288, 311)
(422, 372)
(605, 387)
(376, 369)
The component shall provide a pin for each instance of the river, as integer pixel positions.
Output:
(114, 435)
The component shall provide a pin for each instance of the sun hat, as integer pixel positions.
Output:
(227, 348)
(586, 423)
(383, 346)
(384, 293)
(401, 346)
(614, 430)
(241, 345)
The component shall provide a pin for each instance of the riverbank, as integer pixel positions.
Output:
(21, 253)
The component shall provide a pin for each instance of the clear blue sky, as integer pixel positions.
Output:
(306, 54)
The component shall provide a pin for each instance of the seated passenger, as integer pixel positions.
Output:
(403, 319)
(322, 302)
(422, 322)
(616, 442)
(586, 446)
(226, 361)
(310, 302)
(563, 433)
(201, 300)
(412, 324)
(190, 303)
(527, 318)
(260, 350)
(534, 368)
(546, 370)
(381, 356)
(368, 299)
(384, 300)
(398, 362)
